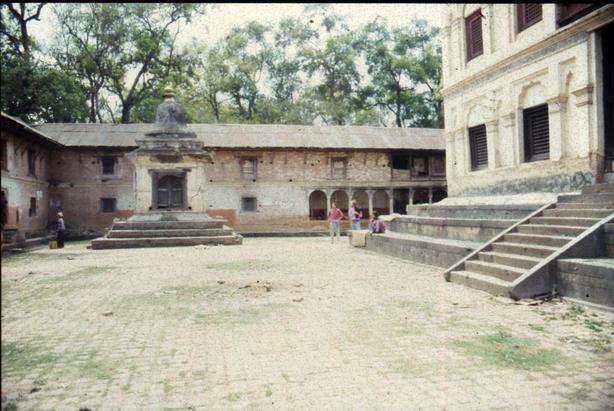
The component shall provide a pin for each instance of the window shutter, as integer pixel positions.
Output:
(573, 11)
(536, 133)
(528, 14)
(473, 30)
(478, 147)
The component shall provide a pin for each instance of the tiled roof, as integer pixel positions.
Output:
(238, 136)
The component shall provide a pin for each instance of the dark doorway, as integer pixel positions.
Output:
(170, 192)
(421, 196)
(607, 51)
(401, 199)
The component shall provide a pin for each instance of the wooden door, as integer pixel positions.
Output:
(170, 192)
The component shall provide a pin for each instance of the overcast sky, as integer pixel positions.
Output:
(222, 17)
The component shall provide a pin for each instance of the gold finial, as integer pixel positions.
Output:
(169, 94)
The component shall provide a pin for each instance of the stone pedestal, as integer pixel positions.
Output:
(170, 205)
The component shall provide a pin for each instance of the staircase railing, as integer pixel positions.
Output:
(542, 278)
(487, 245)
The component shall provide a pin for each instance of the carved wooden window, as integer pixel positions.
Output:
(473, 35)
(571, 12)
(420, 166)
(248, 168)
(32, 162)
(108, 205)
(478, 147)
(527, 14)
(108, 165)
(536, 133)
(249, 204)
(438, 166)
(339, 168)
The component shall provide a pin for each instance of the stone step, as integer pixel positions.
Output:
(422, 249)
(207, 232)
(607, 198)
(482, 282)
(549, 240)
(513, 260)
(578, 205)
(479, 211)
(503, 272)
(167, 225)
(109, 243)
(561, 230)
(524, 249)
(604, 188)
(566, 221)
(581, 213)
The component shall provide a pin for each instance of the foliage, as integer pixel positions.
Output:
(111, 62)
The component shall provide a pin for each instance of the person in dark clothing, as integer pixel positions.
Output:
(61, 228)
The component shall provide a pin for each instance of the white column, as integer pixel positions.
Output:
(492, 141)
(370, 194)
(557, 108)
(390, 202)
(430, 195)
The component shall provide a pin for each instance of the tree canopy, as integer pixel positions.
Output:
(109, 62)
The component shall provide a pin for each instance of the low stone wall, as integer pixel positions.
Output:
(590, 280)
(467, 229)
(437, 253)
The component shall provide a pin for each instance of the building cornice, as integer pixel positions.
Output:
(565, 37)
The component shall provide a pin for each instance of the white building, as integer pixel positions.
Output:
(528, 92)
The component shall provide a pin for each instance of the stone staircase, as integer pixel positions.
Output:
(167, 229)
(501, 262)
(441, 235)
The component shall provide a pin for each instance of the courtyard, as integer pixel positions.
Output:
(284, 323)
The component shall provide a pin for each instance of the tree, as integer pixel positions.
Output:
(32, 89)
(333, 65)
(128, 50)
(404, 65)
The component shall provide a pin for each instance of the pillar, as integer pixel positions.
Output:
(390, 202)
(492, 143)
(556, 119)
(411, 196)
(430, 195)
(370, 195)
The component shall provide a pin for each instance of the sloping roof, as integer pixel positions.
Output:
(238, 136)
(16, 125)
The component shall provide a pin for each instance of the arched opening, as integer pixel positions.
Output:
(400, 200)
(340, 198)
(439, 194)
(362, 202)
(381, 202)
(317, 205)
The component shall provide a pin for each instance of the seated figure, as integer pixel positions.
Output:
(376, 225)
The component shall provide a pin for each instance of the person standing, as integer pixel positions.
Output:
(355, 215)
(61, 227)
(335, 216)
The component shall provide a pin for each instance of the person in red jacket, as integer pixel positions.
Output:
(335, 216)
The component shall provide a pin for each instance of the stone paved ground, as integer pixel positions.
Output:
(284, 323)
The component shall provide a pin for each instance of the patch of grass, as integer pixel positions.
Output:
(504, 350)
(11, 406)
(595, 325)
(573, 312)
(581, 393)
(21, 358)
(536, 327)
(241, 265)
(233, 396)
(241, 315)
(268, 392)
(84, 273)
(22, 259)
(406, 367)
